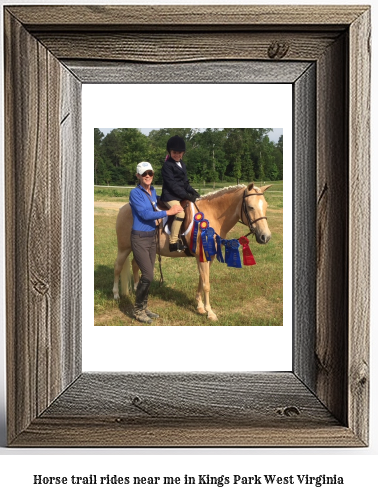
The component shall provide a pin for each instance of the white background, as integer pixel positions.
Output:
(358, 466)
(200, 348)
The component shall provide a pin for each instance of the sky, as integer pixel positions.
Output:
(274, 136)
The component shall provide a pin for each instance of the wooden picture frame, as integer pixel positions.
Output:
(323, 51)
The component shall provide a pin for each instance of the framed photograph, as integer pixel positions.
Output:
(247, 301)
(324, 53)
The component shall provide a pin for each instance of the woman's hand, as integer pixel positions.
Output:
(175, 210)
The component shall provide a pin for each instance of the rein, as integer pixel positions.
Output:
(245, 209)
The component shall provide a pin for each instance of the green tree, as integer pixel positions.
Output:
(101, 171)
(235, 153)
(125, 148)
(237, 170)
(278, 155)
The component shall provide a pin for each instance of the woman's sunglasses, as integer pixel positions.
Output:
(148, 172)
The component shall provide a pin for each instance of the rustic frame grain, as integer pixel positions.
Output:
(324, 400)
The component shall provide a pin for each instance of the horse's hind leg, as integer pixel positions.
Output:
(204, 269)
(135, 267)
(118, 265)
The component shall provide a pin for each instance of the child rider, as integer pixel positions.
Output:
(176, 187)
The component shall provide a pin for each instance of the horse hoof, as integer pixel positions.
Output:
(116, 296)
(201, 310)
(212, 317)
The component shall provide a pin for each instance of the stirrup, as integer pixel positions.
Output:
(177, 247)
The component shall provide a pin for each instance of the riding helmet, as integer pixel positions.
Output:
(175, 143)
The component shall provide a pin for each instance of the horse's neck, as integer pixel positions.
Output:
(222, 212)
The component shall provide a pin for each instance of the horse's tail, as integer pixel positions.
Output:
(126, 277)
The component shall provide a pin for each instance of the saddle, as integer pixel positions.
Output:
(188, 217)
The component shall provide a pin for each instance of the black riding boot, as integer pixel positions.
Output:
(149, 313)
(141, 296)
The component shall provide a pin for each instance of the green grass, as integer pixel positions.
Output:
(252, 295)
(111, 194)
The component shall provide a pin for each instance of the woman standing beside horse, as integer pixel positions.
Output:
(143, 236)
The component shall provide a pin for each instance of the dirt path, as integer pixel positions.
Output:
(109, 205)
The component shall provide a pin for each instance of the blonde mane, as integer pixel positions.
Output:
(225, 190)
(221, 192)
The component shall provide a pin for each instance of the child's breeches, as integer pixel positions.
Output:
(177, 221)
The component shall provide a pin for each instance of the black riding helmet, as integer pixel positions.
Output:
(175, 143)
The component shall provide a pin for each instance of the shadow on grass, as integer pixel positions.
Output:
(103, 291)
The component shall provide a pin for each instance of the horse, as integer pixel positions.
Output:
(223, 209)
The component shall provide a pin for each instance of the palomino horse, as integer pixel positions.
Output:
(223, 209)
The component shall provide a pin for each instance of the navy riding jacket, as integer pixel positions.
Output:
(175, 181)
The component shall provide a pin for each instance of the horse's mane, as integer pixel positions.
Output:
(221, 192)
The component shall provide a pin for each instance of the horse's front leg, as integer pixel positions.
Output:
(204, 269)
(200, 304)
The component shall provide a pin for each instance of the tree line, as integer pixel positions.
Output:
(229, 154)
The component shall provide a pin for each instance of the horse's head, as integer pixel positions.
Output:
(254, 212)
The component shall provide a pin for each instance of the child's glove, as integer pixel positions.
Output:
(191, 197)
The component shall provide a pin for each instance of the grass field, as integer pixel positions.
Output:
(252, 295)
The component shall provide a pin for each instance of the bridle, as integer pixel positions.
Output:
(246, 213)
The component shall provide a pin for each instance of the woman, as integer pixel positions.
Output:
(143, 243)
(176, 187)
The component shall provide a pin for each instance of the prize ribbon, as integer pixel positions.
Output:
(210, 241)
(202, 256)
(204, 225)
(234, 256)
(219, 249)
(207, 237)
(227, 244)
(248, 259)
(197, 219)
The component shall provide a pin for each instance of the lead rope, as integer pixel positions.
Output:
(159, 254)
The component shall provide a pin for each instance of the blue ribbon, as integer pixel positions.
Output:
(205, 242)
(227, 244)
(219, 249)
(210, 241)
(195, 231)
(234, 255)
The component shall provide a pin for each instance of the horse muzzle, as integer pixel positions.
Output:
(263, 238)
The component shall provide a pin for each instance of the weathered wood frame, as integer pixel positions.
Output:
(49, 52)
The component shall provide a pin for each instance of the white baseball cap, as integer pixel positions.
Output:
(143, 166)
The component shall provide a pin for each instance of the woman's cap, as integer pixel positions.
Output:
(143, 166)
(176, 143)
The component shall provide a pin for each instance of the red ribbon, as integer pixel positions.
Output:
(201, 254)
(248, 259)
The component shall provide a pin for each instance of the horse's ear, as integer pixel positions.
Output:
(250, 186)
(264, 188)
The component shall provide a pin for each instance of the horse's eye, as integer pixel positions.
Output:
(251, 208)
